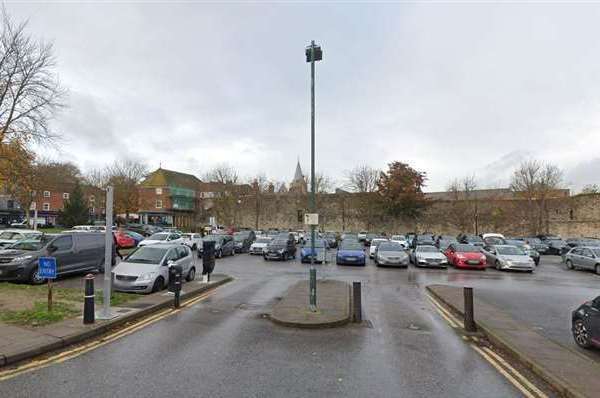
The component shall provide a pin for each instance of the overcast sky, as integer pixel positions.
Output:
(450, 88)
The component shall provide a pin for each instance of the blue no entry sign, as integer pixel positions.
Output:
(47, 267)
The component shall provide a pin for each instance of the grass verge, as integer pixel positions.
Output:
(39, 315)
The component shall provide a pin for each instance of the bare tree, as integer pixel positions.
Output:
(30, 93)
(534, 181)
(362, 178)
(223, 173)
(323, 183)
(591, 188)
(124, 176)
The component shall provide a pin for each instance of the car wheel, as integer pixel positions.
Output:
(159, 284)
(220, 253)
(191, 275)
(597, 269)
(581, 334)
(233, 252)
(34, 277)
(498, 265)
(569, 264)
(285, 256)
(265, 257)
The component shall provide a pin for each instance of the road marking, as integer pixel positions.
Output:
(80, 350)
(455, 323)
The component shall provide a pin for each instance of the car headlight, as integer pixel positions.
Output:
(444, 261)
(280, 251)
(23, 258)
(146, 277)
(508, 262)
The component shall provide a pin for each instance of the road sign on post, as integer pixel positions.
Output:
(47, 270)
(311, 219)
(108, 256)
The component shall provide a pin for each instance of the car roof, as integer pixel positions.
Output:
(27, 231)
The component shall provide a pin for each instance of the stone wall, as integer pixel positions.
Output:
(569, 217)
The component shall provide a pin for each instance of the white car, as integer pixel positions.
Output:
(192, 240)
(362, 235)
(162, 237)
(10, 236)
(400, 239)
(428, 256)
(492, 235)
(260, 245)
(374, 243)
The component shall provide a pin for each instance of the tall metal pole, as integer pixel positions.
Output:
(108, 254)
(313, 271)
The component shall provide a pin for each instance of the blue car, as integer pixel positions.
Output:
(319, 254)
(350, 253)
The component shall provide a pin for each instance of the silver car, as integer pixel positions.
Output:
(584, 257)
(146, 270)
(508, 257)
(391, 253)
(428, 256)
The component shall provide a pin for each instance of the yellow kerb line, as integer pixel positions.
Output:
(445, 314)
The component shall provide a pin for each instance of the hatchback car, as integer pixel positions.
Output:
(243, 240)
(373, 245)
(10, 236)
(391, 254)
(280, 249)
(350, 252)
(224, 245)
(535, 256)
(585, 324)
(192, 240)
(463, 255)
(584, 258)
(507, 257)
(319, 253)
(146, 270)
(259, 245)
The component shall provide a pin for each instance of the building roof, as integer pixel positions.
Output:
(298, 175)
(168, 178)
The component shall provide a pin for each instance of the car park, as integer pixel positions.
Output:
(259, 245)
(147, 269)
(11, 236)
(319, 254)
(535, 256)
(584, 258)
(162, 237)
(585, 324)
(281, 248)
(350, 252)
(243, 240)
(192, 240)
(391, 253)
(462, 255)
(224, 245)
(74, 252)
(508, 257)
(373, 245)
(428, 256)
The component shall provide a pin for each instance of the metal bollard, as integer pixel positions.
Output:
(356, 302)
(469, 321)
(88, 300)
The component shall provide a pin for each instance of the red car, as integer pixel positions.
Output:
(465, 256)
(124, 241)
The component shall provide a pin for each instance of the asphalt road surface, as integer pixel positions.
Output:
(224, 347)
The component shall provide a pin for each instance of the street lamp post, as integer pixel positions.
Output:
(313, 53)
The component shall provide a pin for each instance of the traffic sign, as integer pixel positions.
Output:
(311, 219)
(47, 267)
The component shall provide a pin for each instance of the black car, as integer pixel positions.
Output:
(585, 324)
(331, 239)
(555, 244)
(369, 238)
(224, 245)
(243, 240)
(281, 248)
(578, 242)
(423, 239)
(536, 244)
(470, 240)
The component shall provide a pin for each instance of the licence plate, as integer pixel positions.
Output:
(473, 262)
(351, 258)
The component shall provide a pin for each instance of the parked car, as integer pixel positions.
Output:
(224, 245)
(428, 256)
(162, 237)
(401, 239)
(144, 229)
(124, 241)
(555, 243)
(350, 252)
(362, 235)
(10, 236)
(259, 245)
(319, 254)
(535, 256)
(192, 240)
(462, 255)
(281, 248)
(243, 240)
(577, 242)
(331, 238)
(135, 236)
(443, 241)
(391, 254)
(470, 240)
(350, 236)
(74, 252)
(507, 257)
(585, 324)
(146, 270)
(492, 235)
(536, 244)
(422, 239)
(584, 258)
(373, 245)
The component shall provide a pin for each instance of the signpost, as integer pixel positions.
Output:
(47, 270)
(108, 256)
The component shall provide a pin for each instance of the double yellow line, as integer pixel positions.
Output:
(82, 349)
(526, 387)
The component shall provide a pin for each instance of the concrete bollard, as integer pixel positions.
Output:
(89, 310)
(356, 302)
(469, 321)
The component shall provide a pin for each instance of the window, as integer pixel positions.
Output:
(66, 195)
(159, 191)
(92, 198)
(159, 204)
(46, 206)
(92, 210)
(46, 194)
(63, 243)
(33, 206)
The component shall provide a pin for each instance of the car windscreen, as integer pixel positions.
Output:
(427, 249)
(390, 247)
(515, 242)
(213, 238)
(158, 237)
(263, 240)
(318, 243)
(466, 248)
(351, 246)
(239, 238)
(29, 244)
(7, 235)
(596, 251)
(398, 237)
(473, 238)
(279, 242)
(556, 241)
(147, 255)
(534, 240)
(510, 250)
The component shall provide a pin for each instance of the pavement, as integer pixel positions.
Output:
(569, 372)
(333, 305)
(20, 343)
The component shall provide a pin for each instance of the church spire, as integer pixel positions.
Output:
(298, 176)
